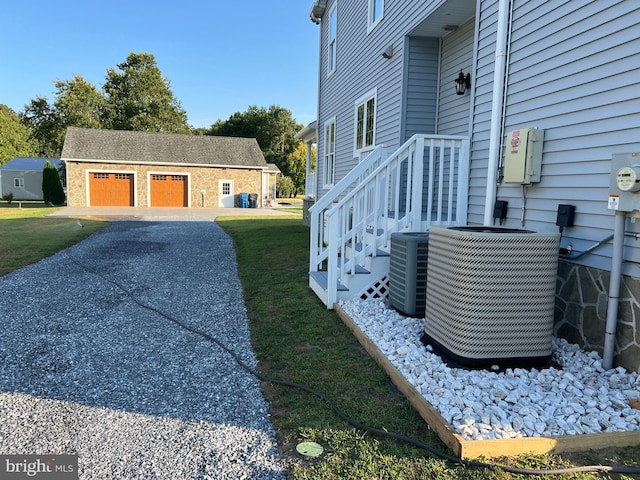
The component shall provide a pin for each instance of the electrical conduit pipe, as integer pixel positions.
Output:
(495, 140)
(614, 290)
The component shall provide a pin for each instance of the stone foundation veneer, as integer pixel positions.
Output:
(581, 312)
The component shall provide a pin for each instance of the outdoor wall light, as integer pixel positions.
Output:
(462, 83)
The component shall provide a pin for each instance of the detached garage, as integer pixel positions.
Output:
(124, 168)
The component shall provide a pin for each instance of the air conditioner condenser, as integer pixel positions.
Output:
(491, 294)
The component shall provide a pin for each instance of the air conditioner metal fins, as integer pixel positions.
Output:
(491, 294)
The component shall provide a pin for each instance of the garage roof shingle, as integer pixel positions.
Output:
(143, 147)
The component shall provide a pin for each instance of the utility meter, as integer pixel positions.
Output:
(628, 179)
(624, 182)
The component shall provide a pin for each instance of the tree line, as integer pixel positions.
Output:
(136, 96)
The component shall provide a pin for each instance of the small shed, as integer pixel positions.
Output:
(22, 177)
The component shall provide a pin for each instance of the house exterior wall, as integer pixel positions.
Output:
(32, 189)
(420, 96)
(573, 71)
(360, 68)
(457, 54)
(200, 178)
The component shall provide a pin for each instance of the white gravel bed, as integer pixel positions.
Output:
(581, 397)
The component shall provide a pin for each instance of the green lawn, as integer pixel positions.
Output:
(297, 339)
(28, 236)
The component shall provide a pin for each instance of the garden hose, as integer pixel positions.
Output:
(346, 418)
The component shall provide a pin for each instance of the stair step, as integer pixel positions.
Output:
(359, 268)
(322, 279)
(358, 248)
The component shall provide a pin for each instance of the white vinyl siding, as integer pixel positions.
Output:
(457, 54)
(421, 86)
(573, 73)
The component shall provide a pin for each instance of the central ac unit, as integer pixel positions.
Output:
(408, 272)
(491, 294)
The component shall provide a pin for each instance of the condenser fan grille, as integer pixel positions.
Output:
(491, 293)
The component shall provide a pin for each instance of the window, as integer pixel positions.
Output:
(329, 152)
(376, 11)
(18, 182)
(365, 124)
(331, 51)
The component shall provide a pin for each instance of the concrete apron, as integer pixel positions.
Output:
(162, 213)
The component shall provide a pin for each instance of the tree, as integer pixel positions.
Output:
(274, 129)
(79, 103)
(297, 167)
(14, 136)
(139, 98)
(47, 131)
(284, 187)
(52, 191)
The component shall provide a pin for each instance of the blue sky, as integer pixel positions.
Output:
(220, 56)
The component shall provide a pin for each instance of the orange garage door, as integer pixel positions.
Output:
(168, 190)
(110, 189)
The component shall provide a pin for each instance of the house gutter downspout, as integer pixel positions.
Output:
(614, 290)
(495, 140)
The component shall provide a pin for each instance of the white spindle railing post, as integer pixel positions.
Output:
(416, 181)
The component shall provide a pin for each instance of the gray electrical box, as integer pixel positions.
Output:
(624, 182)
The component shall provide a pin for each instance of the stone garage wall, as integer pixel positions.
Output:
(201, 178)
(582, 296)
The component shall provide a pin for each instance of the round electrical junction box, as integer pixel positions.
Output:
(309, 449)
(628, 179)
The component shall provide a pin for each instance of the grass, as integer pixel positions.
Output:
(27, 235)
(297, 339)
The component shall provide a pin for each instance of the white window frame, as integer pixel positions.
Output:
(332, 40)
(362, 148)
(18, 182)
(329, 158)
(375, 14)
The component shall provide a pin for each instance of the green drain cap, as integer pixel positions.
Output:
(310, 449)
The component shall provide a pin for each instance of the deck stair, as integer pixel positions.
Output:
(422, 183)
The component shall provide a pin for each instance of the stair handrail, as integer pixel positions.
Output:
(355, 174)
(354, 218)
(316, 211)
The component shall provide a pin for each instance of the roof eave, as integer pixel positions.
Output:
(317, 11)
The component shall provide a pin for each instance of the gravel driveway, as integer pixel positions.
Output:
(85, 370)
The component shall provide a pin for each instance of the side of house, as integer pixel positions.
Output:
(569, 69)
(22, 177)
(136, 169)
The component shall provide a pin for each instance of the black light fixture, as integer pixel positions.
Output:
(462, 83)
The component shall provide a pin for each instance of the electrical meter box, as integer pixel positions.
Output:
(624, 182)
(523, 156)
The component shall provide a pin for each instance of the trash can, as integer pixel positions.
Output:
(253, 200)
(244, 200)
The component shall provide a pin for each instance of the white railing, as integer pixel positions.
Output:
(424, 182)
